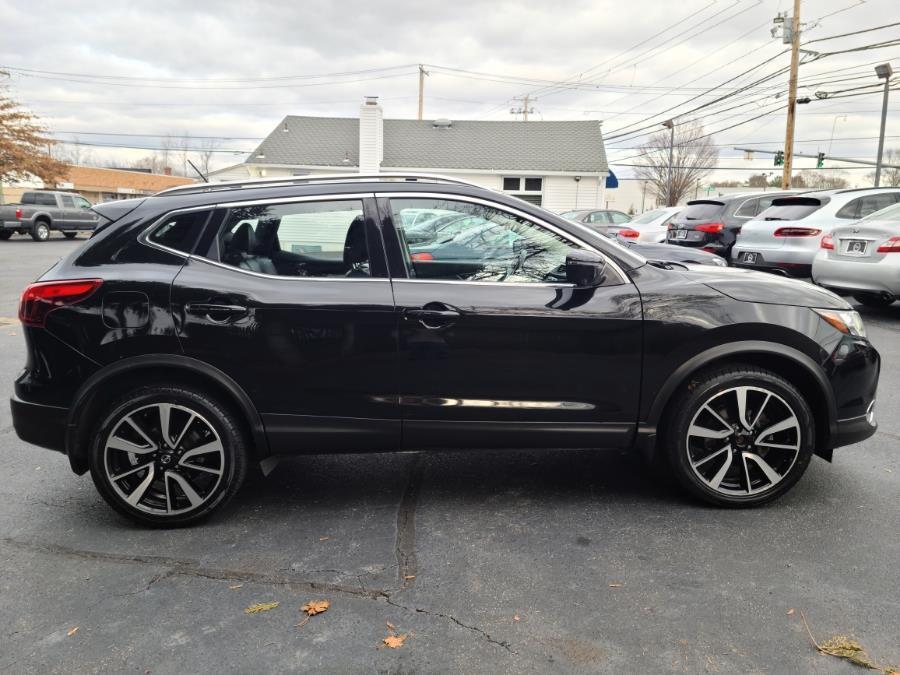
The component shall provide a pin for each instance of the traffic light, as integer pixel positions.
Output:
(820, 162)
(779, 158)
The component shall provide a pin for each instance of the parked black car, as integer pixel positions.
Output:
(211, 326)
(713, 224)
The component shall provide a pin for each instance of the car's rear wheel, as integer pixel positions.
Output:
(70, 235)
(40, 231)
(874, 299)
(739, 436)
(168, 456)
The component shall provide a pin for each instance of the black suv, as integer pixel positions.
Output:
(713, 224)
(213, 326)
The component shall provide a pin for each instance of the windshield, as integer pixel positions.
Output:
(571, 214)
(889, 213)
(648, 217)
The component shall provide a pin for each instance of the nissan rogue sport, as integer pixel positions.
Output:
(215, 326)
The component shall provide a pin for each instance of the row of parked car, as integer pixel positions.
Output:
(842, 239)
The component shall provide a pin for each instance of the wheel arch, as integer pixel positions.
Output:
(109, 382)
(798, 368)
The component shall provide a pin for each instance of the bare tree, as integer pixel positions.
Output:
(693, 157)
(207, 148)
(184, 146)
(889, 177)
(163, 156)
(820, 180)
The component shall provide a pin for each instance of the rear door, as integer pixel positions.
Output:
(496, 348)
(291, 298)
(68, 216)
(86, 218)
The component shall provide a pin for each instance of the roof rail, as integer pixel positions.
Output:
(312, 178)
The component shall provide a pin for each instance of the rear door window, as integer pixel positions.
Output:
(702, 211)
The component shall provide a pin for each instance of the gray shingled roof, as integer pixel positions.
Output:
(505, 145)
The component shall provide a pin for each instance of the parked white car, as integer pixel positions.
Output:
(786, 236)
(863, 258)
(651, 226)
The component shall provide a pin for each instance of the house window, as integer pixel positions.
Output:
(529, 189)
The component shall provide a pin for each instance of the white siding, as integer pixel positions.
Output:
(236, 172)
(563, 193)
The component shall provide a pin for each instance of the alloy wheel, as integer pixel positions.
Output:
(164, 459)
(743, 441)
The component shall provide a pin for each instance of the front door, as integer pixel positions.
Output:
(292, 300)
(496, 348)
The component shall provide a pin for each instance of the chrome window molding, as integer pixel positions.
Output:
(199, 258)
(514, 211)
(342, 197)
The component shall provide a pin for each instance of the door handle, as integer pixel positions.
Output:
(210, 310)
(434, 315)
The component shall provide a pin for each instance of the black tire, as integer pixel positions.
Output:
(211, 419)
(873, 299)
(70, 235)
(5, 234)
(697, 461)
(40, 231)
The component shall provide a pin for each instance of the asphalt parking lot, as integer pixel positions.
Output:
(507, 561)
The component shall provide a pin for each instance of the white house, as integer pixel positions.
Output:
(560, 165)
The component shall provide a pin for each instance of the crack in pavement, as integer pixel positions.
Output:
(420, 610)
(192, 568)
(405, 548)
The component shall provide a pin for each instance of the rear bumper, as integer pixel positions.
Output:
(867, 275)
(38, 424)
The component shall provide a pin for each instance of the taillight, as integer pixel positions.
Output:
(711, 228)
(18, 214)
(827, 242)
(41, 298)
(419, 257)
(892, 245)
(629, 234)
(797, 232)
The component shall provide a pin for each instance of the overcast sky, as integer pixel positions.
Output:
(215, 67)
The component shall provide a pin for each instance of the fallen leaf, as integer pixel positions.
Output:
(516, 617)
(394, 641)
(409, 576)
(324, 538)
(791, 611)
(314, 607)
(889, 471)
(72, 631)
(235, 587)
(616, 584)
(260, 607)
(390, 625)
(844, 647)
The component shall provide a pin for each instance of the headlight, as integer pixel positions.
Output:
(847, 321)
(719, 261)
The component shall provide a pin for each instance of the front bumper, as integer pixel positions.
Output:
(39, 424)
(855, 429)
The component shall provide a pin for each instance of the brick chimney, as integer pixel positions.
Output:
(371, 136)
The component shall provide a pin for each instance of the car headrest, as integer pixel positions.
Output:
(243, 239)
(266, 236)
(355, 250)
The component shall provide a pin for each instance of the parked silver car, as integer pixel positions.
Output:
(786, 236)
(863, 258)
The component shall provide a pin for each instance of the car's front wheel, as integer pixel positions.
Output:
(739, 436)
(168, 456)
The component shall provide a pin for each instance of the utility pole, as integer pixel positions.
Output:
(883, 71)
(524, 110)
(422, 74)
(670, 125)
(792, 98)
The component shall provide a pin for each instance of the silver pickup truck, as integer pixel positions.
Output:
(44, 210)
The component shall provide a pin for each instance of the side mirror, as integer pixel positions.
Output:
(585, 269)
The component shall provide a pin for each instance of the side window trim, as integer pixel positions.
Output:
(144, 236)
(386, 217)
